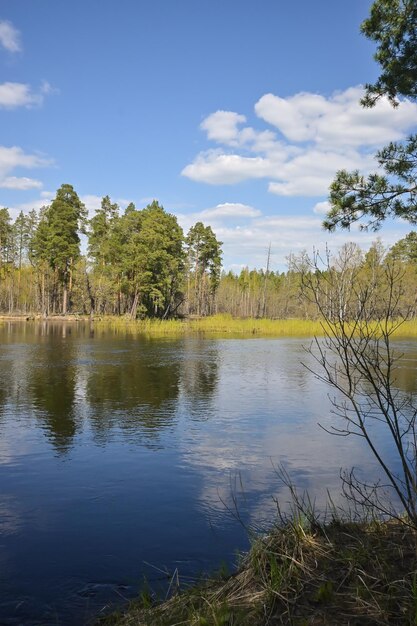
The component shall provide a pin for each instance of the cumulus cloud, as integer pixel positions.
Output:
(9, 37)
(311, 172)
(23, 183)
(336, 120)
(13, 95)
(316, 137)
(15, 157)
(222, 126)
(246, 233)
(216, 168)
(230, 210)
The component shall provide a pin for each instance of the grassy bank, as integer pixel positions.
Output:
(228, 325)
(225, 325)
(218, 324)
(338, 574)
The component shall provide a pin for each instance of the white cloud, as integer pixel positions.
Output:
(246, 233)
(23, 183)
(319, 136)
(13, 158)
(42, 200)
(230, 210)
(311, 172)
(9, 37)
(13, 95)
(222, 126)
(337, 120)
(16, 157)
(248, 244)
(216, 168)
(92, 203)
(321, 208)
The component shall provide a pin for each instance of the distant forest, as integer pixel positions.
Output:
(139, 263)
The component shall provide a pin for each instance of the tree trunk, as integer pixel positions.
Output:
(134, 306)
(64, 299)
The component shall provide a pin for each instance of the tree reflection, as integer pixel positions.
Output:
(133, 390)
(52, 383)
(200, 376)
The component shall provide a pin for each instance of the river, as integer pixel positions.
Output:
(125, 457)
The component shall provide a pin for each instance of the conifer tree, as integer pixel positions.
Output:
(204, 260)
(57, 238)
(392, 24)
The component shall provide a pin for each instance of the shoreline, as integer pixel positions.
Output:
(221, 325)
(301, 574)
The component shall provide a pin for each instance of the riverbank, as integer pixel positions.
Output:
(342, 573)
(215, 325)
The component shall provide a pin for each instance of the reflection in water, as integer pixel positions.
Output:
(154, 439)
(51, 385)
(199, 377)
(132, 389)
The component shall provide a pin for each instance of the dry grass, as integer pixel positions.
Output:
(341, 574)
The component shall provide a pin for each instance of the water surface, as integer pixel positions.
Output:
(123, 456)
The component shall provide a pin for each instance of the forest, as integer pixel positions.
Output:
(139, 263)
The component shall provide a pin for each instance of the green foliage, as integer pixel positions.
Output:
(140, 265)
(204, 262)
(6, 240)
(56, 241)
(392, 25)
(152, 259)
(378, 196)
(65, 218)
(100, 233)
(405, 250)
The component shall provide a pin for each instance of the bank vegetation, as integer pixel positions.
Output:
(139, 264)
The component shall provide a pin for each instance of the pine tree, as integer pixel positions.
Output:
(204, 261)
(393, 25)
(57, 240)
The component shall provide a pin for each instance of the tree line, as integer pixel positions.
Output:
(139, 263)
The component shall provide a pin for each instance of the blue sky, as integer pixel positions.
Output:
(234, 113)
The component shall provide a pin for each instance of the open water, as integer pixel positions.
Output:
(124, 458)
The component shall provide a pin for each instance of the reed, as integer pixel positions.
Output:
(217, 325)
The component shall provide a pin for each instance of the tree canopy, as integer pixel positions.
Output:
(392, 193)
(392, 25)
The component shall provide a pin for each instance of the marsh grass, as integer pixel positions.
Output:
(224, 325)
(221, 325)
(342, 573)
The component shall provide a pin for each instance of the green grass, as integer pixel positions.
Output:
(227, 325)
(224, 325)
(342, 573)
(217, 325)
